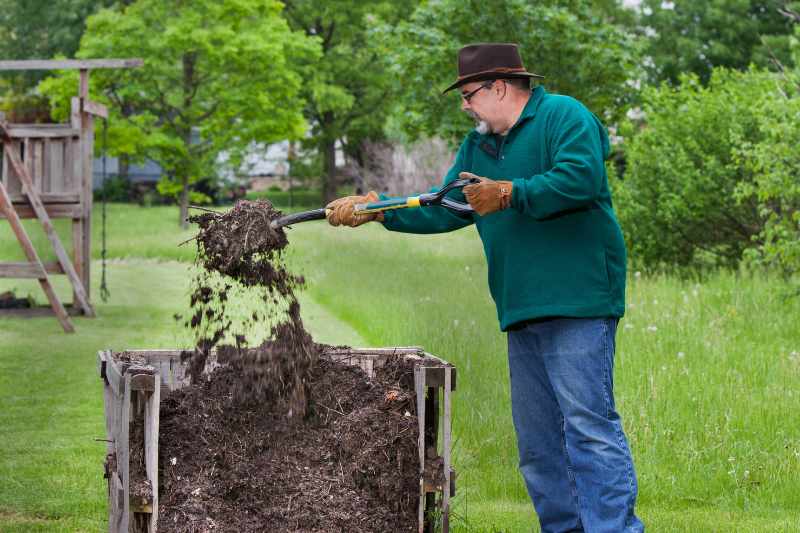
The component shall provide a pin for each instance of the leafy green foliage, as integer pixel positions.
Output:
(218, 76)
(775, 164)
(348, 86)
(40, 29)
(713, 173)
(581, 50)
(695, 37)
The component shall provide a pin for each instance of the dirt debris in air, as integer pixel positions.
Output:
(279, 438)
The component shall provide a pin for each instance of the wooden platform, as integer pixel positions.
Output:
(132, 391)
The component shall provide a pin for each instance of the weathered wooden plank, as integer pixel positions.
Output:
(49, 197)
(21, 270)
(69, 172)
(123, 452)
(95, 108)
(87, 155)
(69, 64)
(30, 253)
(446, 443)
(38, 165)
(143, 382)
(41, 214)
(43, 131)
(115, 378)
(77, 250)
(419, 388)
(53, 211)
(151, 423)
(75, 114)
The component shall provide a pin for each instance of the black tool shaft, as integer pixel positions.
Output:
(294, 218)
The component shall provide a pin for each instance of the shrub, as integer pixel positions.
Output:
(687, 197)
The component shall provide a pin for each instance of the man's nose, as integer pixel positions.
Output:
(464, 104)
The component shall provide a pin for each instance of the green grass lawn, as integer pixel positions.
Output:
(707, 374)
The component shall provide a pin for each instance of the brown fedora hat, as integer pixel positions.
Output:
(489, 61)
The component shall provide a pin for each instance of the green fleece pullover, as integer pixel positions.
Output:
(558, 250)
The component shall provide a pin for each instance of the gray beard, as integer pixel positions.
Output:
(481, 125)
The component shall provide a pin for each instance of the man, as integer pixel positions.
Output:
(556, 261)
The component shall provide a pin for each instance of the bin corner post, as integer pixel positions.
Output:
(151, 421)
(447, 439)
(419, 388)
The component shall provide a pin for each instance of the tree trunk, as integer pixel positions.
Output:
(184, 202)
(329, 170)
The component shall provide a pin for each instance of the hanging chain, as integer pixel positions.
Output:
(104, 292)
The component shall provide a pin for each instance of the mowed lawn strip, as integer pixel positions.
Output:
(706, 380)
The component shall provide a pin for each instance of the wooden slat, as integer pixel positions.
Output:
(114, 377)
(143, 382)
(16, 226)
(68, 178)
(419, 388)
(69, 64)
(151, 422)
(446, 443)
(50, 197)
(85, 182)
(17, 131)
(123, 452)
(53, 211)
(41, 214)
(23, 270)
(95, 108)
(77, 250)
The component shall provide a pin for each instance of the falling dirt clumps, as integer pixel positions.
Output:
(242, 247)
(277, 437)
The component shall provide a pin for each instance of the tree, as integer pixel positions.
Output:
(687, 36)
(687, 198)
(218, 76)
(41, 29)
(581, 49)
(349, 90)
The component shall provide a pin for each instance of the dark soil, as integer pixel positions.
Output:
(350, 466)
(279, 438)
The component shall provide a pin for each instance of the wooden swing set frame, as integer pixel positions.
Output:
(47, 174)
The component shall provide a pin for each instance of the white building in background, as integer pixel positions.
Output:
(264, 166)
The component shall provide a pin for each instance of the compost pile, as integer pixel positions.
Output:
(278, 438)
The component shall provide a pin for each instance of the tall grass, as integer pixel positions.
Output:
(707, 374)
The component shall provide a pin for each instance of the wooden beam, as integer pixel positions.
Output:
(30, 252)
(18, 132)
(95, 108)
(41, 214)
(55, 198)
(419, 388)
(151, 422)
(446, 444)
(69, 64)
(53, 211)
(22, 270)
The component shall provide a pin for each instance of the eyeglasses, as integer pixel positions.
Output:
(467, 97)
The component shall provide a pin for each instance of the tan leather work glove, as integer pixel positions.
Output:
(487, 196)
(342, 210)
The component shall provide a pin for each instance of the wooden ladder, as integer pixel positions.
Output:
(35, 263)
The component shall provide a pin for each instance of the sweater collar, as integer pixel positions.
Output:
(529, 111)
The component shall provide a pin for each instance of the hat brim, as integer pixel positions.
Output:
(483, 76)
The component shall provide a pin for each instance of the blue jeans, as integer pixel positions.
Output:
(573, 453)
